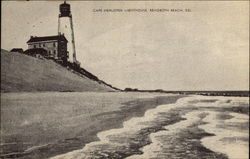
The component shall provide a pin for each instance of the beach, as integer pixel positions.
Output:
(35, 127)
(124, 125)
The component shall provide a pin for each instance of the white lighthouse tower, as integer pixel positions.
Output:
(65, 26)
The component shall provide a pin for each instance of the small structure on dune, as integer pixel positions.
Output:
(18, 50)
(37, 52)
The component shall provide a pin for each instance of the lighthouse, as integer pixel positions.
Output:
(65, 27)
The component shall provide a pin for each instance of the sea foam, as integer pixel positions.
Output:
(143, 132)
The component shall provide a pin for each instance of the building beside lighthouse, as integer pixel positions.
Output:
(52, 47)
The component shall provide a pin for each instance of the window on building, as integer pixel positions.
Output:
(55, 52)
(34, 45)
(54, 44)
(43, 44)
(39, 45)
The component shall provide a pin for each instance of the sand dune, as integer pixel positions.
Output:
(22, 73)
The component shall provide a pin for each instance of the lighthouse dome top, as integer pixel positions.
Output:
(65, 10)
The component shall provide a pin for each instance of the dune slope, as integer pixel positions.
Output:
(22, 73)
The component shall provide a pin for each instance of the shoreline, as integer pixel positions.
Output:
(232, 93)
(107, 120)
(179, 118)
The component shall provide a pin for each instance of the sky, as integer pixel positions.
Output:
(206, 48)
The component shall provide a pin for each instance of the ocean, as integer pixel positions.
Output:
(193, 127)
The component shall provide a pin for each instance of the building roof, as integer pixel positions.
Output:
(46, 38)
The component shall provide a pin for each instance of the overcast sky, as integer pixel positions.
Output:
(205, 49)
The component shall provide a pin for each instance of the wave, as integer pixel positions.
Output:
(149, 136)
(233, 142)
